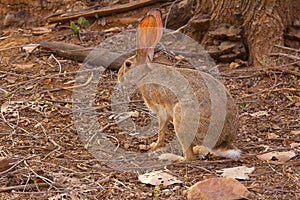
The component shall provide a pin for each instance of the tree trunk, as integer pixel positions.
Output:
(245, 29)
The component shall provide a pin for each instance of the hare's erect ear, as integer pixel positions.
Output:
(149, 33)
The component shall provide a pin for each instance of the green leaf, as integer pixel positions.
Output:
(83, 21)
(74, 28)
(7, 94)
(103, 92)
(243, 104)
(290, 98)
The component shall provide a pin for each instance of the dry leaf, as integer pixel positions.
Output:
(217, 189)
(295, 132)
(4, 107)
(237, 172)
(280, 156)
(113, 29)
(29, 48)
(295, 144)
(133, 114)
(41, 30)
(158, 178)
(29, 87)
(23, 66)
(270, 136)
(259, 114)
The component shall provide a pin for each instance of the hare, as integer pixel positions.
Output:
(163, 101)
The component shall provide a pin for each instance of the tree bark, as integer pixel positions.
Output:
(246, 29)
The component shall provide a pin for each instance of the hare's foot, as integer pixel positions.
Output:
(171, 157)
(189, 154)
(156, 145)
(201, 151)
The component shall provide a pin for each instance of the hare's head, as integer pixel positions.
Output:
(148, 35)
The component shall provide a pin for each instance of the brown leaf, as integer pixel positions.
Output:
(270, 136)
(280, 156)
(240, 173)
(217, 189)
(295, 132)
(159, 178)
(295, 144)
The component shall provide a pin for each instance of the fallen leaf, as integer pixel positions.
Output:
(295, 144)
(270, 136)
(4, 107)
(134, 114)
(23, 66)
(240, 173)
(218, 189)
(158, 178)
(29, 87)
(275, 155)
(29, 48)
(295, 132)
(259, 114)
(113, 29)
(41, 30)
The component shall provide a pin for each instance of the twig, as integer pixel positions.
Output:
(169, 11)
(286, 55)
(116, 139)
(48, 181)
(23, 187)
(3, 172)
(52, 56)
(71, 87)
(106, 127)
(109, 10)
(14, 47)
(287, 48)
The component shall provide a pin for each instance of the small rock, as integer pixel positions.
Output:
(217, 189)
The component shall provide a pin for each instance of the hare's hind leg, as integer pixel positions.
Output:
(163, 121)
(183, 137)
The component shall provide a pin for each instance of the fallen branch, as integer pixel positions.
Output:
(109, 10)
(91, 56)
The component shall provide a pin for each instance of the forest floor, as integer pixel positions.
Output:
(39, 136)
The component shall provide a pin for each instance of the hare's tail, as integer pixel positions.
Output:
(228, 153)
(224, 150)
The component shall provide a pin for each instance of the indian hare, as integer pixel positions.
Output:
(163, 101)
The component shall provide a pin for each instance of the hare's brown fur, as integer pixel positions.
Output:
(167, 107)
(163, 101)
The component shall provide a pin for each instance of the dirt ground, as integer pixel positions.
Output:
(38, 132)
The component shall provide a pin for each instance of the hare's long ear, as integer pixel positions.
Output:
(148, 35)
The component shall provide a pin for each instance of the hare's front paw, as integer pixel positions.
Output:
(155, 145)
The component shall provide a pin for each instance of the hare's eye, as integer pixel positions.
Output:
(127, 64)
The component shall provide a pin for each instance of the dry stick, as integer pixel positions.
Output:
(59, 65)
(48, 181)
(106, 127)
(23, 187)
(287, 48)
(3, 172)
(92, 56)
(71, 87)
(286, 55)
(109, 10)
(169, 11)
